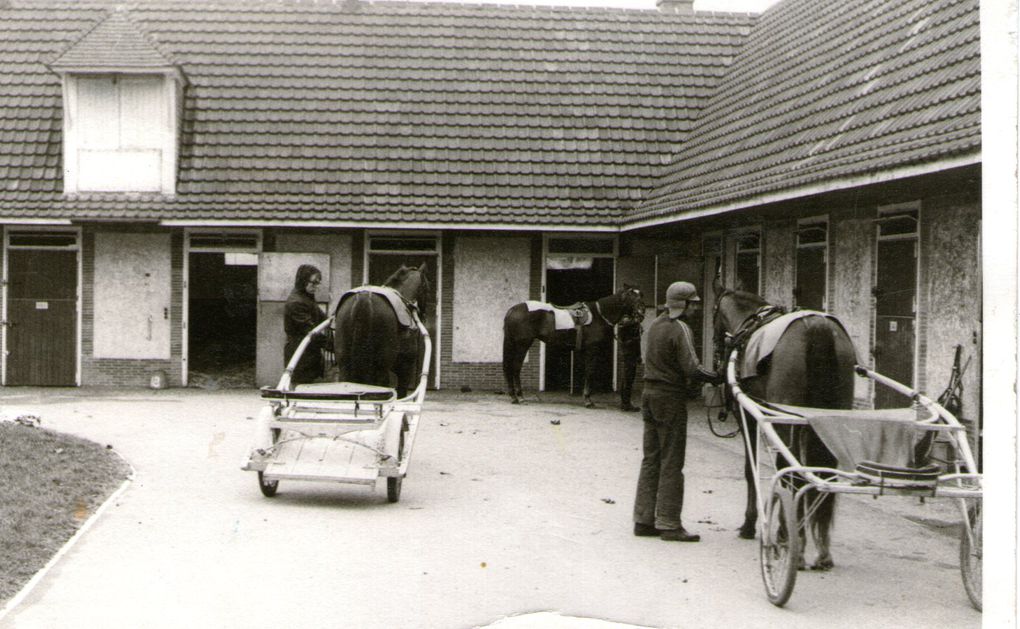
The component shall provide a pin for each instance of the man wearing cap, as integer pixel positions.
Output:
(670, 363)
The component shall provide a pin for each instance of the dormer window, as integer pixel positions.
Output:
(119, 134)
(121, 103)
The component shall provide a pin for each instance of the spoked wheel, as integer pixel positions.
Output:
(268, 487)
(970, 556)
(394, 483)
(779, 547)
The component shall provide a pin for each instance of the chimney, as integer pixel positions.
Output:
(684, 7)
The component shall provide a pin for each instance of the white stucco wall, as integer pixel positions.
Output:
(491, 275)
(851, 282)
(132, 296)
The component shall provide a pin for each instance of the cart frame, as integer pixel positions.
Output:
(779, 525)
(337, 432)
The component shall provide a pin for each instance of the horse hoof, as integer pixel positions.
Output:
(746, 533)
(589, 404)
(515, 401)
(823, 565)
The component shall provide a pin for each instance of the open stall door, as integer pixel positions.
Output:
(275, 281)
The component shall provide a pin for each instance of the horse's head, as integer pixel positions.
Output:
(413, 284)
(633, 302)
(732, 309)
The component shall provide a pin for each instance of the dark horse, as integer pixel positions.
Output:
(812, 365)
(371, 345)
(522, 326)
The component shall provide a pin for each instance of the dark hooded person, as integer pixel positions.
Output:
(300, 315)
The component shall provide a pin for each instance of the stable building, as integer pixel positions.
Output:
(166, 166)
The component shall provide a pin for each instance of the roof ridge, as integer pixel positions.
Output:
(93, 49)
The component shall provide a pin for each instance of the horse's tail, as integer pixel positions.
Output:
(822, 364)
(508, 345)
(362, 366)
(823, 373)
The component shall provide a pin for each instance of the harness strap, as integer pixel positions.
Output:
(762, 316)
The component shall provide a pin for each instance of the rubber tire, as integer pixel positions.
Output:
(395, 483)
(268, 488)
(779, 548)
(971, 557)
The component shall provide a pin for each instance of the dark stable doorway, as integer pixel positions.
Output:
(222, 311)
(569, 286)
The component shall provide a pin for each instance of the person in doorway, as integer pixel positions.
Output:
(629, 335)
(671, 362)
(300, 315)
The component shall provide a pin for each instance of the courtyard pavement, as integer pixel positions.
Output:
(506, 511)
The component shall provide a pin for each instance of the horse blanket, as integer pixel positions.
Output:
(396, 300)
(565, 317)
(763, 341)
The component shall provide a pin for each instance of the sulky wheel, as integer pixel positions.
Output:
(970, 556)
(780, 547)
(268, 487)
(394, 483)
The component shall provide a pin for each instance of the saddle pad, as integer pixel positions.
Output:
(392, 295)
(562, 317)
(764, 340)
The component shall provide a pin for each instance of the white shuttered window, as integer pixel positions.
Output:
(121, 134)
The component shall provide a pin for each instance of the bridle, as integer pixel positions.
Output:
(632, 297)
(726, 342)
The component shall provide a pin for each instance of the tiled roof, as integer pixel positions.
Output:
(115, 43)
(827, 90)
(355, 111)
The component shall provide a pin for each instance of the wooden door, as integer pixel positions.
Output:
(895, 327)
(42, 316)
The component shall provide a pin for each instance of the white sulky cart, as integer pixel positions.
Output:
(341, 432)
(860, 439)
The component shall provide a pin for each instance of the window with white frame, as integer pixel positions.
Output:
(120, 133)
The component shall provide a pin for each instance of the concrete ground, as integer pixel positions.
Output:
(506, 511)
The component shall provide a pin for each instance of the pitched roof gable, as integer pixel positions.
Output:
(114, 43)
(829, 90)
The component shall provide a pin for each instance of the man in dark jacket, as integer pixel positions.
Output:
(670, 363)
(300, 315)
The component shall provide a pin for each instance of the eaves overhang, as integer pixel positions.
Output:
(792, 194)
(414, 225)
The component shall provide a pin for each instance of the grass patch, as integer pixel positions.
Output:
(51, 484)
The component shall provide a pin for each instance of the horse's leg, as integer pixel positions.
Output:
(513, 360)
(747, 529)
(822, 519)
(589, 367)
